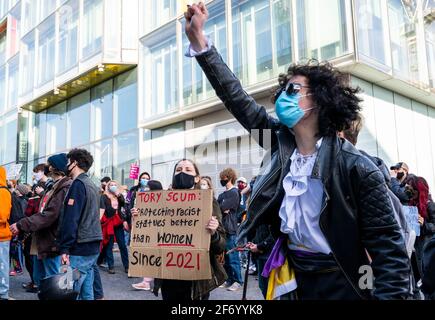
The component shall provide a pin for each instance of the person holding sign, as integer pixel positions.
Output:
(186, 177)
(327, 203)
(145, 285)
(130, 200)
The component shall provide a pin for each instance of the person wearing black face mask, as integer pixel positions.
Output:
(186, 176)
(80, 232)
(399, 173)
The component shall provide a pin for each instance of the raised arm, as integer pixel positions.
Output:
(228, 88)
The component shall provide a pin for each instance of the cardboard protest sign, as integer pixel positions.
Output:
(169, 239)
(411, 215)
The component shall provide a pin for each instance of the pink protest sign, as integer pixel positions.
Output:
(134, 171)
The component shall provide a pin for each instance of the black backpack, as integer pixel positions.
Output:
(18, 207)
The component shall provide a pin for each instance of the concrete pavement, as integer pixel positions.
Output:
(118, 287)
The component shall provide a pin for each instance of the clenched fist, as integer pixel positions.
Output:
(196, 16)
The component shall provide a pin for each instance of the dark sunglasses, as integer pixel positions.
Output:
(290, 89)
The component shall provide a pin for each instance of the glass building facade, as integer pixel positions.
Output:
(126, 92)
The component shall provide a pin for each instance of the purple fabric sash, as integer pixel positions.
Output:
(277, 256)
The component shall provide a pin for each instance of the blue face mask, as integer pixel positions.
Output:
(288, 110)
(113, 189)
(143, 182)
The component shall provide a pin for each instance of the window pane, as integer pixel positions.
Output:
(103, 164)
(125, 101)
(195, 85)
(102, 102)
(46, 7)
(79, 120)
(283, 33)
(371, 31)
(13, 83)
(40, 134)
(430, 45)
(322, 29)
(8, 138)
(68, 35)
(126, 153)
(56, 128)
(28, 64)
(46, 51)
(252, 40)
(10, 135)
(403, 39)
(161, 77)
(2, 89)
(92, 27)
(14, 30)
(161, 12)
(29, 11)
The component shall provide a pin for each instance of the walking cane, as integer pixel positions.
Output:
(245, 285)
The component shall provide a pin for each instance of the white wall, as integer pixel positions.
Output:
(398, 129)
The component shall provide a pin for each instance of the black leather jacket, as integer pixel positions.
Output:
(429, 269)
(356, 216)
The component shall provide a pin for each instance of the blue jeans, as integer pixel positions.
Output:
(127, 238)
(16, 255)
(232, 261)
(38, 270)
(98, 286)
(4, 269)
(45, 268)
(51, 266)
(120, 239)
(85, 284)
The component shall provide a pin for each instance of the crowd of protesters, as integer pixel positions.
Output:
(64, 218)
(318, 211)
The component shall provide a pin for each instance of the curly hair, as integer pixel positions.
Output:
(418, 188)
(83, 157)
(331, 91)
(230, 174)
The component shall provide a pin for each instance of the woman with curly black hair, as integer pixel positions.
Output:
(327, 204)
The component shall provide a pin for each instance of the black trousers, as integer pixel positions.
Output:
(324, 286)
(28, 259)
(319, 278)
(176, 290)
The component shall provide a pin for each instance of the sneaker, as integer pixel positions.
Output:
(32, 289)
(142, 286)
(12, 273)
(112, 271)
(27, 285)
(225, 285)
(235, 287)
(103, 265)
(253, 272)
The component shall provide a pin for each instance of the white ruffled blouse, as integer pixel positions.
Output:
(300, 209)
